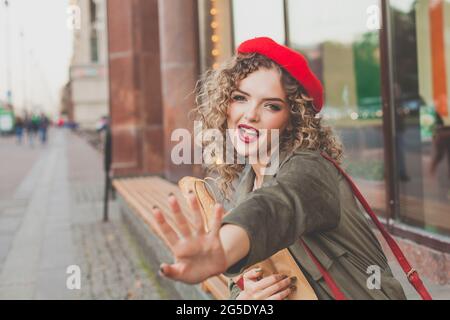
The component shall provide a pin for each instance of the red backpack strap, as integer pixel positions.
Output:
(337, 293)
(411, 273)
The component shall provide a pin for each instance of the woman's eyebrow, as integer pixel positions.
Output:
(274, 99)
(265, 99)
(243, 92)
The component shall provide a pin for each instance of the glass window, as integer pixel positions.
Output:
(255, 18)
(341, 41)
(421, 63)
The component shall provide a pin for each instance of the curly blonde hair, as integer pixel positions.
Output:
(213, 97)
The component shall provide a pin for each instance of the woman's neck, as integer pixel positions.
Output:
(260, 168)
(259, 173)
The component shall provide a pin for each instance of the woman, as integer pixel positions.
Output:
(267, 89)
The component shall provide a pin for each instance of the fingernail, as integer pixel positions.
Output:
(161, 270)
(258, 269)
(293, 279)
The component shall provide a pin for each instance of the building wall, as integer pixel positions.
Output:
(89, 78)
(135, 87)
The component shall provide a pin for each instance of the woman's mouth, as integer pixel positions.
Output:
(247, 134)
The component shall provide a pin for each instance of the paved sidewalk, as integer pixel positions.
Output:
(50, 219)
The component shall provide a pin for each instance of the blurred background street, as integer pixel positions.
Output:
(51, 217)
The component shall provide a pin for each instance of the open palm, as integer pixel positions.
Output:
(198, 254)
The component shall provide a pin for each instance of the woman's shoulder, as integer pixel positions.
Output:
(304, 157)
(303, 162)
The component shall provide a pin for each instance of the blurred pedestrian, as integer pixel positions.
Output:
(19, 126)
(43, 128)
(61, 122)
(28, 125)
(441, 143)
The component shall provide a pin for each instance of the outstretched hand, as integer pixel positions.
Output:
(198, 254)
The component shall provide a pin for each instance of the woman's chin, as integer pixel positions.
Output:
(250, 151)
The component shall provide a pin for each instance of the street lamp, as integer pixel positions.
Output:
(24, 70)
(7, 57)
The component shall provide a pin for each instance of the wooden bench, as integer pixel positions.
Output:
(141, 194)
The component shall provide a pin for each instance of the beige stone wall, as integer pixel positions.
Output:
(90, 78)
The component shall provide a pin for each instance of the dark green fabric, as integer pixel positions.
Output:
(309, 198)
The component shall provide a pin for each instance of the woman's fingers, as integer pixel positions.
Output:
(253, 274)
(169, 270)
(180, 219)
(274, 287)
(198, 217)
(269, 281)
(277, 287)
(177, 272)
(281, 295)
(166, 230)
(218, 216)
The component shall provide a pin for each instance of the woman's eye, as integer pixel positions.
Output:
(238, 98)
(274, 107)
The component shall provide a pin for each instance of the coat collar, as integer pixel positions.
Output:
(247, 180)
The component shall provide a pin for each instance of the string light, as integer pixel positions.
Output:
(215, 52)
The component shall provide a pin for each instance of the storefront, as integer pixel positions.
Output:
(385, 66)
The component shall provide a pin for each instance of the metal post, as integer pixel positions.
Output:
(106, 197)
(24, 71)
(286, 23)
(107, 165)
(392, 192)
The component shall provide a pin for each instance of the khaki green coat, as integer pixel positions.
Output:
(308, 198)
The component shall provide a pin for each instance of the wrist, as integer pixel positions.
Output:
(235, 242)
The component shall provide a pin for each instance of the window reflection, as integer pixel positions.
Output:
(421, 58)
(255, 18)
(344, 52)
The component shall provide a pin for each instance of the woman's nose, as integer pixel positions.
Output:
(252, 114)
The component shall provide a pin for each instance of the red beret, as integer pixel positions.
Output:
(293, 62)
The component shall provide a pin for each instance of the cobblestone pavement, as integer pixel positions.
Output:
(110, 260)
(51, 218)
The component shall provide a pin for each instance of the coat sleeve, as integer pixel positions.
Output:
(302, 198)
